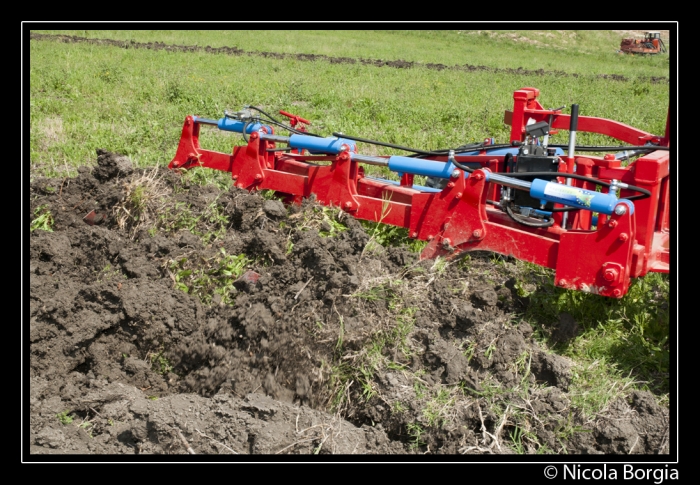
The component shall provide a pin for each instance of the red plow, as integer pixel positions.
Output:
(598, 221)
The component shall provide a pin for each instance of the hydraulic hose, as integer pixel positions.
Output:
(519, 220)
(381, 143)
(643, 193)
(610, 148)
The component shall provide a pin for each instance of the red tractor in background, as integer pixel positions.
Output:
(650, 44)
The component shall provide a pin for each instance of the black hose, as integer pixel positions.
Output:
(608, 148)
(419, 153)
(643, 193)
(274, 121)
(381, 143)
(519, 220)
(245, 128)
(293, 130)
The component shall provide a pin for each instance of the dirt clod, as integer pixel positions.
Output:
(239, 325)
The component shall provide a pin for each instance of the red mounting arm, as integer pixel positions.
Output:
(599, 259)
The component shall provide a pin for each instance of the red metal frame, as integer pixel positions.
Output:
(600, 260)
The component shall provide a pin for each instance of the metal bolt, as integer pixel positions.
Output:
(612, 223)
(414, 234)
(610, 274)
(623, 237)
(254, 135)
(476, 233)
(348, 204)
(430, 237)
(478, 176)
(617, 292)
(450, 185)
(459, 195)
(562, 282)
(620, 209)
(454, 174)
(176, 163)
(446, 243)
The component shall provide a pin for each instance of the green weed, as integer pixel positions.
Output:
(437, 408)
(160, 363)
(42, 219)
(517, 444)
(415, 432)
(198, 176)
(216, 276)
(398, 407)
(65, 418)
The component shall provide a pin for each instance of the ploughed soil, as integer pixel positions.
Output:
(396, 64)
(144, 338)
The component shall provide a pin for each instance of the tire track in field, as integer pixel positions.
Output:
(397, 64)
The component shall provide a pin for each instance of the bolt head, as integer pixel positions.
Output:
(450, 184)
(477, 233)
(478, 176)
(258, 176)
(612, 223)
(414, 234)
(609, 274)
(562, 282)
(623, 237)
(348, 204)
(459, 195)
(620, 209)
(454, 174)
(176, 164)
(617, 292)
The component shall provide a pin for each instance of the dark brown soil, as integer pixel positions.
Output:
(397, 64)
(122, 361)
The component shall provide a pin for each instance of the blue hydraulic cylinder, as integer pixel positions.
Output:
(316, 144)
(418, 166)
(230, 124)
(576, 197)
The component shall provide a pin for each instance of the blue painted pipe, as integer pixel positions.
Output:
(418, 166)
(576, 197)
(229, 124)
(320, 145)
